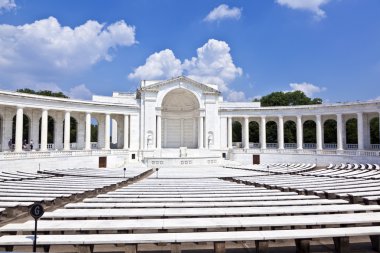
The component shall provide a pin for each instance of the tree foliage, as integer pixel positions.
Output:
(48, 93)
(288, 99)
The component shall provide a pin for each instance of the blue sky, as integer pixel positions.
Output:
(328, 48)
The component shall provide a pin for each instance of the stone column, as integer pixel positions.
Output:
(19, 128)
(87, 145)
(126, 131)
(44, 130)
(319, 131)
(158, 134)
(263, 133)
(339, 130)
(229, 133)
(200, 133)
(66, 141)
(107, 131)
(360, 131)
(280, 132)
(246, 133)
(299, 133)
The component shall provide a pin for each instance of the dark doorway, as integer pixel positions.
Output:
(103, 162)
(256, 159)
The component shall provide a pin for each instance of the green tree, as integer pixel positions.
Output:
(287, 99)
(43, 93)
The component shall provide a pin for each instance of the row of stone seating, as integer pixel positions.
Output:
(347, 171)
(178, 211)
(20, 175)
(17, 196)
(355, 190)
(277, 168)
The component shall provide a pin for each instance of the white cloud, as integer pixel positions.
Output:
(45, 50)
(313, 6)
(307, 88)
(213, 64)
(80, 92)
(161, 65)
(234, 96)
(223, 11)
(7, 5)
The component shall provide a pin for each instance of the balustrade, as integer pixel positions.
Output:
(330, 146)
(310, 145)
(290, 145)
(351, 146)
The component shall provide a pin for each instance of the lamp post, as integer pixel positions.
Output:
(124, 171)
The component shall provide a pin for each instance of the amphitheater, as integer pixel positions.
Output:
(167, 171)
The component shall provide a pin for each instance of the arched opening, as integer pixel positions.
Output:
(180, 120)
(94, 133)
(254, 134)
(290, 134)
(309, 134)
(374, 133)
(271, 131)
(330, 134)
(50, 133)
(73, 132)
(352, 134)
(25, 131)
(236, 134)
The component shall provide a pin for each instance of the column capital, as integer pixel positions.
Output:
(67, 111)
(20, 107)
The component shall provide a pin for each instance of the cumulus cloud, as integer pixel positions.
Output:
(45, 50)
(313, 6)
(80, 92)
(7, 5)
(223, 11)
(161, 65)
(307, 88)
(213, 64)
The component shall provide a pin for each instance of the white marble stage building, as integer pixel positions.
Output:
(173, 122)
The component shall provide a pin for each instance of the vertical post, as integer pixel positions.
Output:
(44, 130)
(66, 145)
(263, 134)
(280, 132)
(299, 133)
(126, 131)
(246, 133)
(19, 129)
(35, 236)
(229, 134)
(339, 130)
(319, 131)
(88, 132)
(360, 131)
(158, 134)
(200, 133)
(107, 131)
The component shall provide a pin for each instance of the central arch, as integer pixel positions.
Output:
(180, 117)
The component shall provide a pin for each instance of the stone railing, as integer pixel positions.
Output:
(351, 146)
(375, 146)
(309, 152)
(60, 153)
(290, 145)
(309, 145)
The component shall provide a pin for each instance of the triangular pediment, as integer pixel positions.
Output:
(181, 79)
